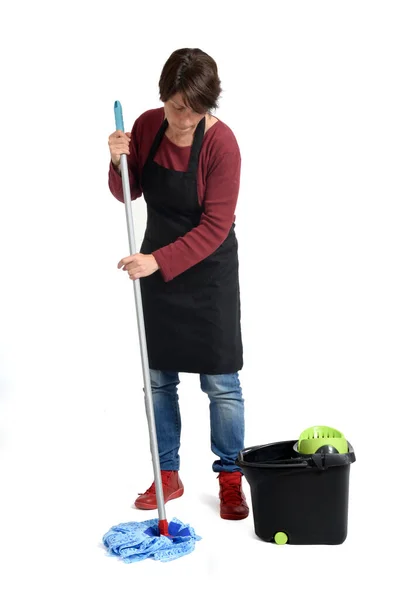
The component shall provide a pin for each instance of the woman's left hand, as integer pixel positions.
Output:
(139, 265)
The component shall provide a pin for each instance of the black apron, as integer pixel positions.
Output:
(193, 321)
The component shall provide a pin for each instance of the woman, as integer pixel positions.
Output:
(186, 163)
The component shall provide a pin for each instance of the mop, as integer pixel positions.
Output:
(155, 538)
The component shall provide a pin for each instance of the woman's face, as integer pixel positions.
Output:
(179, 116)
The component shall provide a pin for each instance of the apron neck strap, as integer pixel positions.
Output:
(196, 146)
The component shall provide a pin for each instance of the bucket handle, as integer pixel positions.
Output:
(293, 462)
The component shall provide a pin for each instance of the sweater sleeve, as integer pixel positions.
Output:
(219, 205)
(114, 177)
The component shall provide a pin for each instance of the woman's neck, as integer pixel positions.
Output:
(179, 138)
(186, 138)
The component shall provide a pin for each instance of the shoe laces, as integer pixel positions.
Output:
(151, 490)
(231, 490)
(165, 477)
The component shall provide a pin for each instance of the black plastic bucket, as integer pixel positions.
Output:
(297, 499)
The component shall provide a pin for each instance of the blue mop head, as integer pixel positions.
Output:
(133, 542)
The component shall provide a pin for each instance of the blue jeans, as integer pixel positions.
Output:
(226, 418)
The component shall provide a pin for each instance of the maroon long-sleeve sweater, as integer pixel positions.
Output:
(218, 180)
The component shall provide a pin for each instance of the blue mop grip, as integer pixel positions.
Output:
(119, 121)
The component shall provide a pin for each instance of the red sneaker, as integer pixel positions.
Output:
(233, 501)
(172, 488)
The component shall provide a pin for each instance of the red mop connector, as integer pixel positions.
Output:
(163, 527)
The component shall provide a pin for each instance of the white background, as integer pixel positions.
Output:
(311, 91)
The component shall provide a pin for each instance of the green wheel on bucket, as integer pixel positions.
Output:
(280, 538)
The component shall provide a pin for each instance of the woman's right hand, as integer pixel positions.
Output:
(118, 142)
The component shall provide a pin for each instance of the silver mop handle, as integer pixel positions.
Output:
(141, 327)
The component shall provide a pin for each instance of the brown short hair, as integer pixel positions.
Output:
(194, 74)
